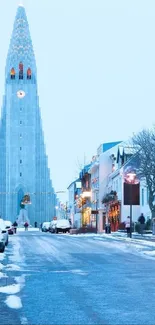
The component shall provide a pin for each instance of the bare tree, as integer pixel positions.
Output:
(144, 142)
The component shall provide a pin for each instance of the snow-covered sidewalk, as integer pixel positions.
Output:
(143, 245)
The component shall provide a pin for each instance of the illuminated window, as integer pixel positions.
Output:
(20, 70)
(29, 73)
(12, 73)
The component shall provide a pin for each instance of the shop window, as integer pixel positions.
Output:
(29, 74)
(21, 70)
(12, 73)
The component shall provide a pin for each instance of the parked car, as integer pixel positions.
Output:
(45, 226)
(52, 226)
(3, 236)
(62, 225)
(10, 228)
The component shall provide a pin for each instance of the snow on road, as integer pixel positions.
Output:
(85, 275)
(13, 302)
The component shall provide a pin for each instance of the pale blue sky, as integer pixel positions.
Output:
(96, 73)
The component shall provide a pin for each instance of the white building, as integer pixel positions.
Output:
(74, 191)
(94, 171)
(112, 166)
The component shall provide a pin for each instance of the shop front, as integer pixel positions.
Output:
(86, 217)
(114, 215)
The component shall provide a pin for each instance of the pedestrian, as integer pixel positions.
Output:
(15, 225)
(127, 226)
(26, 226)
(141, 221)
(153, 226)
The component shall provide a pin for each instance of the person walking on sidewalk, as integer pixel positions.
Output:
(141, 220)
(15, 225)
(26, 226)
(127, 226)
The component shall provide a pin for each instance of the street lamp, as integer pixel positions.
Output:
(131, 180)
(96, 208)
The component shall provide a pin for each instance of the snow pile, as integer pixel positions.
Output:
(1, 266)
(13, 267)
(13, 302)
(10, 289)
(17, 253)
(29, 229)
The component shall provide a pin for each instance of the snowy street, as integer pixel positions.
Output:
(63, 279)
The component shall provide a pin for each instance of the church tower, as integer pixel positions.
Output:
(23, 161)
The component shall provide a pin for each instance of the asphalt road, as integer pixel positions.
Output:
(76, 280)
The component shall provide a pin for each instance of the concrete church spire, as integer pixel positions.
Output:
(21, 48)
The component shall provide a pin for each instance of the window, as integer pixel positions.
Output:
(20, 109)
(12, 73)
(142, 197)
(20, 70)
(20, 161)
(29, 73)
(20, 148)
(20, 135)
(20, 122)
(20, 174)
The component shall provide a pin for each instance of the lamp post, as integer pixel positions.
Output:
(96, 209)
(131, 179)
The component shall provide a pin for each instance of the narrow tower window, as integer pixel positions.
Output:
(20, 135)
(29, 73)
(12, 73)
(20, 70)
(20, 174)
(20, 161)
(20, 148)
(20, 122)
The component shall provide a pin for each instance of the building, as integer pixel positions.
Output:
(74, 193)
(23, 160)
(115, 163)
(94, 171)
(107, 163)
(86, 196)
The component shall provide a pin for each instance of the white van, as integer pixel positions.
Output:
(45, 226)
(62, 225)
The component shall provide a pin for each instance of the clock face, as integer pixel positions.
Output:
(20, 94)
